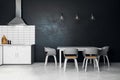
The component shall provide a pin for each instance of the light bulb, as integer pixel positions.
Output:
(92, 17)
(61, 17)
(76, 17)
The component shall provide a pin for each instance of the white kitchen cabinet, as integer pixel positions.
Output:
(17, 54)
(0, 55)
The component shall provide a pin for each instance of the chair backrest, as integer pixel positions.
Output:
(104, 50)
(91, 51)
(50, 51)
(70, 52)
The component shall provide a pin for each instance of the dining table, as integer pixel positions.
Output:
(79, 48)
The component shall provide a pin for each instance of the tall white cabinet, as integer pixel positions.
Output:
(0, 55)
(17, 54)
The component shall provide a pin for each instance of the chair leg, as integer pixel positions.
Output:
(98, 59)
(83, 65)
(97, 64)
(65, 62)
(94, 63)
(55, 60)
(104, 59)
(86, 65)
(107, 61)
(46, 59)
(76, 64)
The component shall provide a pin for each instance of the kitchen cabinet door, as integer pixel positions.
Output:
(10, 55)
(24, 54)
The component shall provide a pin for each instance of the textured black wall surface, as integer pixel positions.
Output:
(52, 32)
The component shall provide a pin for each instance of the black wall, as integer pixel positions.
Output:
(52, 32)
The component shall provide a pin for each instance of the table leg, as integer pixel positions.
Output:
(90, 59)
(60, 54)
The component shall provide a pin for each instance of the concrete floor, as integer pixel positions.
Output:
(38, 71)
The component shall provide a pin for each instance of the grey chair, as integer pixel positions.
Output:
(70, 53)
(90, 54)
(50, 52)
(103, 52)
